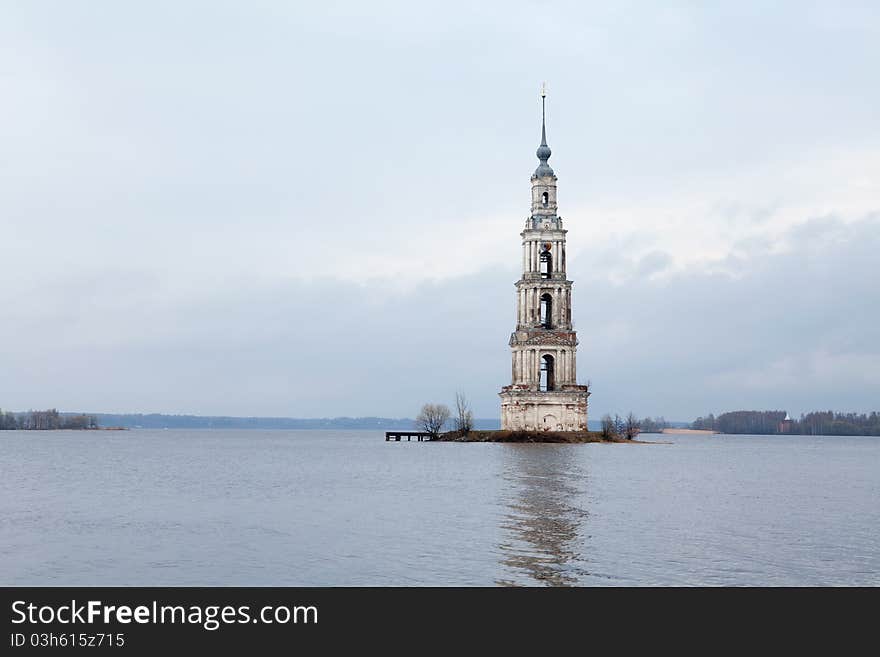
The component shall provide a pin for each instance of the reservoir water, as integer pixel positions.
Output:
(201, 507)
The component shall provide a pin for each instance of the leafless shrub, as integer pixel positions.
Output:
(464, 421)
(432, 417)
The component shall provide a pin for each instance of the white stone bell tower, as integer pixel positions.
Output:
(544, 394)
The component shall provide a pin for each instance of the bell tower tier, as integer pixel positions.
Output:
(543, 394)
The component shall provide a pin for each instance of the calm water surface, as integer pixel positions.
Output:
(188, 507)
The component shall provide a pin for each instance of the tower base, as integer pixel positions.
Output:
(531, 410)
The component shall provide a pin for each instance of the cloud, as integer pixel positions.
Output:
(653, 263)
(795, 329)
(281, 202)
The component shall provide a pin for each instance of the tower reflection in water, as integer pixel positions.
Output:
(542, 527)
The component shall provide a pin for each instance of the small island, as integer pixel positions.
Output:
(433, 417)
(508, 436)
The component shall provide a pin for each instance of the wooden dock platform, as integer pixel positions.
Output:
(397, 435)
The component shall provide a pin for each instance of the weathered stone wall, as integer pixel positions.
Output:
(563, 410)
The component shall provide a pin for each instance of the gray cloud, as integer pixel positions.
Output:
(653, 263)
(795, 330)
(313, 210)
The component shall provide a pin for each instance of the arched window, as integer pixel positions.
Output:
(546, 311)
(546, 263)
(545, 199)
(548, 380)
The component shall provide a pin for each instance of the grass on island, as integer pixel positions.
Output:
(477, 436)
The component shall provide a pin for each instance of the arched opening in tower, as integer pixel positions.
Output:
(545, 199)
(548, 379)
(546, 263)
(546, 311)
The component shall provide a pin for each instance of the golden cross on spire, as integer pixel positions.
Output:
(543, 90)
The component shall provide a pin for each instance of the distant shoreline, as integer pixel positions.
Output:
(689, 431)
(71, 429)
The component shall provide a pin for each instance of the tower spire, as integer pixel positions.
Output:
(543, 151)
(543, 114)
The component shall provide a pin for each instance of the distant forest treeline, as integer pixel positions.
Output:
(821, 423)
(817, 423)
(45, 420)
(655, 424)
(54, 420)
(163, 421)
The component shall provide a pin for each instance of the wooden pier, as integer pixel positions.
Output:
(409, 435)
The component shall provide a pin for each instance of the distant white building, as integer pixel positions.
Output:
(544, 394)
(786, 425)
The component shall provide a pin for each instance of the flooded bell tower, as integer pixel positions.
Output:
(544, 394)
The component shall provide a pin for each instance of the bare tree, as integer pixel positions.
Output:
(432, 417)
(619, 426)
(609, 431)
(465, 420)
(632, 427)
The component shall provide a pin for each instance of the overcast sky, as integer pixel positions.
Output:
(313, 209)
